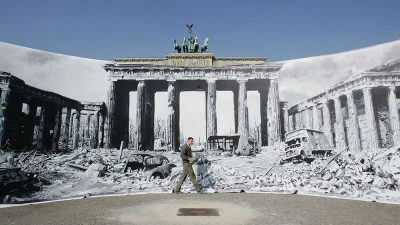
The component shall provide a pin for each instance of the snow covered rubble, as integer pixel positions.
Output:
(373, 175)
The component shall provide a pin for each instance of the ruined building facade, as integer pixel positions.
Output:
(179, 72)
(361, 112)
(34, 118)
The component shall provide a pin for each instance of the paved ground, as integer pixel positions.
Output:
(234, 209)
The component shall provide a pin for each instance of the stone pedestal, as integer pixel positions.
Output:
(370, 119)
(394, 115)
(173, 117)
(273, 113)
(354, 137)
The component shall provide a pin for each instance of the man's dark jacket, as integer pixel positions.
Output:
(186, 153)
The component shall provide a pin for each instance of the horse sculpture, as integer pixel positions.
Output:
(196, 44)
(184, 45)
(204, 47)
(177, 48)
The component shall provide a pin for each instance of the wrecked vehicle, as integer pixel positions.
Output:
(161, 172)
(143, 161)
(228, 143)
(14, 180)
(306, 144)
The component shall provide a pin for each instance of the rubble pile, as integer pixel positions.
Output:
(373, 175)
(369, 175)
(88, 172)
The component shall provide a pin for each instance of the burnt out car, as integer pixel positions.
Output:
(305, 144)
(143, 161)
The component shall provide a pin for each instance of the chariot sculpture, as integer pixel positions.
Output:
(190, 45)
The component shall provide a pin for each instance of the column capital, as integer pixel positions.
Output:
(242, 80)
(171, 80)
(5, 88)
(324, 101)
(284, 104)
(366, 89)
(349, 94)
(274, 76)
(211, 80)
(392, 88)
(141, 83)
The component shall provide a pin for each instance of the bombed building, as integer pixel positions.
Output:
(361, 112)
(34, 118)
(193, 71)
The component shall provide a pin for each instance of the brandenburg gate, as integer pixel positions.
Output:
(190, 68)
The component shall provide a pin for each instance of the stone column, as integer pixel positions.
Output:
(95, 135)
(144, 117)
(77, 124)
(316, 123)
(109, 124)
(290, 123)
(173, 117)
(101, 130)
(285, 118)
(307, 120)
(86, 135)
(243, 117)
(31, 123)
(65, 128)
(354, 137)
(4, 99)
(296, 120)
(394, 114)
(327, 122)
(56, 129)
(235, 108)
(149, 135)
(211, 107)
(40, 127)
(273, 113)
(140, 119)
(263, 116)
(370, 119)
(340, 141)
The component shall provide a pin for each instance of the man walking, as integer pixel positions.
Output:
(187, 161)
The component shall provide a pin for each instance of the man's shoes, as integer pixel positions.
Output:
(201, 192)
(176, 192)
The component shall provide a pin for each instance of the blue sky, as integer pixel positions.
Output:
(279, 30)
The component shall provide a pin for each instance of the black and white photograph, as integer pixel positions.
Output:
(200, 112)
